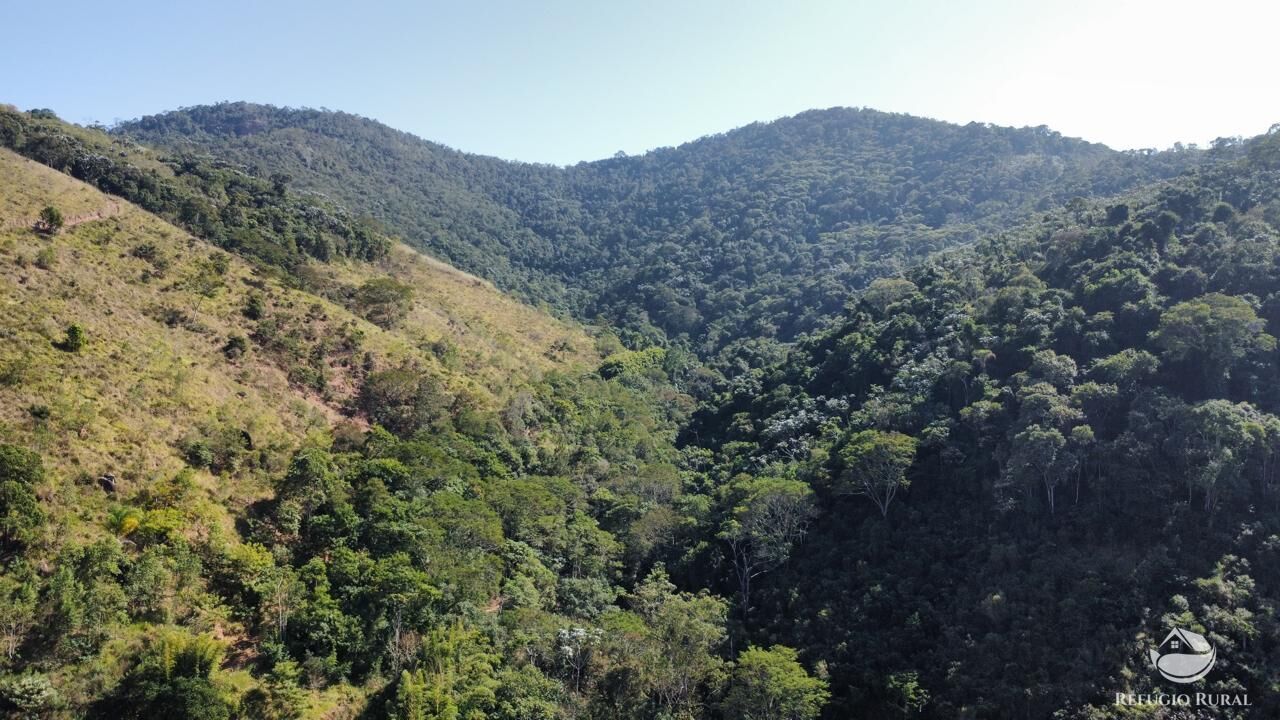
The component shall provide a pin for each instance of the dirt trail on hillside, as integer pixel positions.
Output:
(114, 207)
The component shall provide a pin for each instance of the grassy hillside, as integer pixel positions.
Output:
(160, 386)
(251, 485)
(158, 334)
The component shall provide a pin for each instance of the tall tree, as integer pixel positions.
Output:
(1211, 333)
(875, 464)
(764, 518)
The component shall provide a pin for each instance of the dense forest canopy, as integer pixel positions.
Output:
(758, 233)
(1067, 432)
(882, 417)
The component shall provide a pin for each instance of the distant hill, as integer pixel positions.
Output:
(756, 233)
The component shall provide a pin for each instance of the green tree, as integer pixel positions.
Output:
(18, 603)
(384, 301)
(772, 685)
(1210, 334)
(874, 463)
(404, 399)
(1127, 369)
(279, 697)
(1213, 444)
(764, 518)
(51, 220)
(1038, 454)
(685, 633)
(75, 339)
(20, 513)
(907, 693)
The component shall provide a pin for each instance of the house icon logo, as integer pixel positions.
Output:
(1184, 656)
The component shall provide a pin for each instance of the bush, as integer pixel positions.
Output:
(145, 251)
(14, 370)
(75, 339)
(46, 258)
(39, 413)
(255, 307)
(198, 454)
(51, 220)
(32, 695)
(235, 347)
(174, 679)
(220, 449)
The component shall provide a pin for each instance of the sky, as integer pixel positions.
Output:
(561, 82)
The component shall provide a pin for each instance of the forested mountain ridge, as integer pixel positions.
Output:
(756, 233)
(1034, 457)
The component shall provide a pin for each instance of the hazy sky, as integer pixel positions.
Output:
(567, 81)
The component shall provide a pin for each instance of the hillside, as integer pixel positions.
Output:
(159, 303)
(160, 398)
(1031, 459)
(757, 233)
(981, 414)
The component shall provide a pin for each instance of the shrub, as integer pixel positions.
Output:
(235, 347)
(51, 220)
(172, 678)
(14, 370)
(198, 454)
(32, 695)
(255, 307)
(39, 413)
(46, 258)
(75, 339)
(145, 251)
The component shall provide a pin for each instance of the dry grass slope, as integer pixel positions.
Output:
(157, 320)
(158, 307)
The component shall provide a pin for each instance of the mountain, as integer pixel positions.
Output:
(759, 233)
(1033, 458)
(877, 417)
(180, 425)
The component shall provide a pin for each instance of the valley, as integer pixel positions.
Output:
(843, 415)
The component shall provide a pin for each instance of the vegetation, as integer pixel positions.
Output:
(51, 220)
(755, 234)
(771, 685)
(227, 205)
(75, 339)
(191, 474)
(818, 471)
(1075, 423)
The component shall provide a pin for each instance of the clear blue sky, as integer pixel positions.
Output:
(567, 81)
